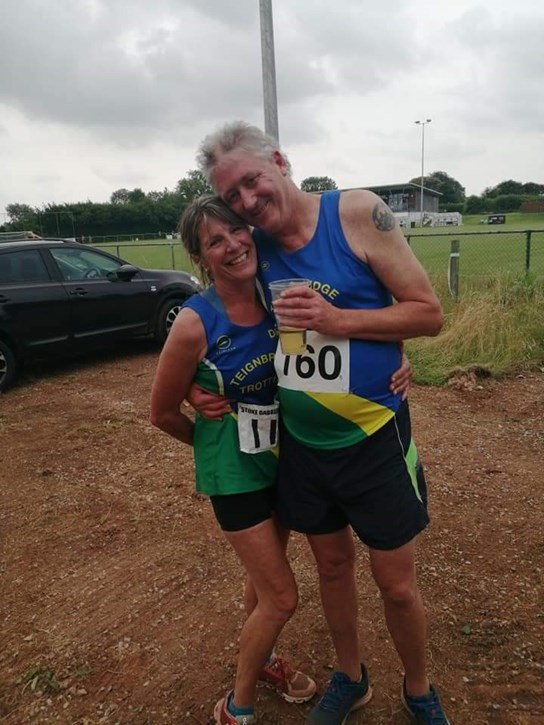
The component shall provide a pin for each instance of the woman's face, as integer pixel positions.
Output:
(227, 250)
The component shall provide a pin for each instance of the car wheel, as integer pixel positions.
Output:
(166, 318)
(7, 366)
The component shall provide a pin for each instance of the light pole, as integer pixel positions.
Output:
(269, 70)
(422, 124)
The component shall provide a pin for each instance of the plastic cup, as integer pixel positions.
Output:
(292, 339)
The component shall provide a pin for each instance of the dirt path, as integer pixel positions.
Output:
(121, 602)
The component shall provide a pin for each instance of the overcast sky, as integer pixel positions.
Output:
(96, 95)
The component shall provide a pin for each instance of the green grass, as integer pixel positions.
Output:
(498, 327)
(514, 221)
(481, 255)
(153, 254)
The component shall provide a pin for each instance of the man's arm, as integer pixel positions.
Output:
(210, 405)
(376, 239)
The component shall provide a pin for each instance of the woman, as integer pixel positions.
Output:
(224, 340)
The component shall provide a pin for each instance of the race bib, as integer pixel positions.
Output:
(323, 368)
(257, 427)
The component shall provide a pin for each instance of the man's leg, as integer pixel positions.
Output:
(335, 557)
(395, 574)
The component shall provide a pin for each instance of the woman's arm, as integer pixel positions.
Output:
(184, 348)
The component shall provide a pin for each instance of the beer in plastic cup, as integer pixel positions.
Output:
(292, 339)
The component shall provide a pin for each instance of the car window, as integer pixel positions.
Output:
(24, 266)
(79, 264)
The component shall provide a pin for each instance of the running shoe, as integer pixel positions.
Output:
(425, 710)
(222, 716)
(341, 697)
(292, 685)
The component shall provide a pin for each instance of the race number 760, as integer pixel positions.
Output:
(324, 367)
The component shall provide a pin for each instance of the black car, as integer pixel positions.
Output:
(59, 297)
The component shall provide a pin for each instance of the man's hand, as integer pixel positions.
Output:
(402, 378)
(304, 308)
(209, 405)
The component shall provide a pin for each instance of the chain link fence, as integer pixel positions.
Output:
(470, 259)
(477, 256)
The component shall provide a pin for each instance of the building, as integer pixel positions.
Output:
(404, 200)
(407, 197)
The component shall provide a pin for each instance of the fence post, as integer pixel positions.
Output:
(172, 255)
(528, 234)
(453, 269)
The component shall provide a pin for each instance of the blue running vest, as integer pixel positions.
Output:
(337, 393)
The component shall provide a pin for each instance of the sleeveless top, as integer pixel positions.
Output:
(337, 393)
(239, 364)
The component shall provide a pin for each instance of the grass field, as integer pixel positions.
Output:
(485, 251)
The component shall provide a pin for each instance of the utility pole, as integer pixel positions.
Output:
(269, 70)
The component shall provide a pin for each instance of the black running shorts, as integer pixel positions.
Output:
(239, 511)
(376, 486)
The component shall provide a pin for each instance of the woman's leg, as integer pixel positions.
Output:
(250, 596)
(262, 553)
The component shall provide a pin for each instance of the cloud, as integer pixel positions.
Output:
(122, 92)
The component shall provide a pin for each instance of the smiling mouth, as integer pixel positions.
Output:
(240, 259)
(254, 213)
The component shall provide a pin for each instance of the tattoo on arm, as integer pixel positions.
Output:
(383, 219)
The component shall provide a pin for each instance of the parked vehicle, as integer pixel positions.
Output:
(61, 297)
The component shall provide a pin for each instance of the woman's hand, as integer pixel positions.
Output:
(402, 378)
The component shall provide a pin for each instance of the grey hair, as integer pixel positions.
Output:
(199, 211)
(236, 135)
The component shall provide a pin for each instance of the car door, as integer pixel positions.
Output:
(34, 307)
(102, 305)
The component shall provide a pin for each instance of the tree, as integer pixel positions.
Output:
(120, 196)
(21, 214)
(136, 195)
(475, 204)
(533, 189)
(451, 190)
(192, 186)
(318, 183)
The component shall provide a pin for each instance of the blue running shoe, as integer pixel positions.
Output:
(425, 710)
(341, 697)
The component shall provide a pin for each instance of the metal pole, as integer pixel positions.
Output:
(453, 269)
(269, 70)
(422, 124)
(422, 173)
(528, 234)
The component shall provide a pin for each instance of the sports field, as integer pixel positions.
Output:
(485, 251)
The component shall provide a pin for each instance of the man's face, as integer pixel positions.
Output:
(254, 187)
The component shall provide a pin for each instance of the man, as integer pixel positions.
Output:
(348, 461)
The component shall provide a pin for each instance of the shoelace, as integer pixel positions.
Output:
(282, 668)
(334, 694)
(431, 711)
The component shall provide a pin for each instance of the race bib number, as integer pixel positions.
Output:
(323, 368)
(257, 427)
